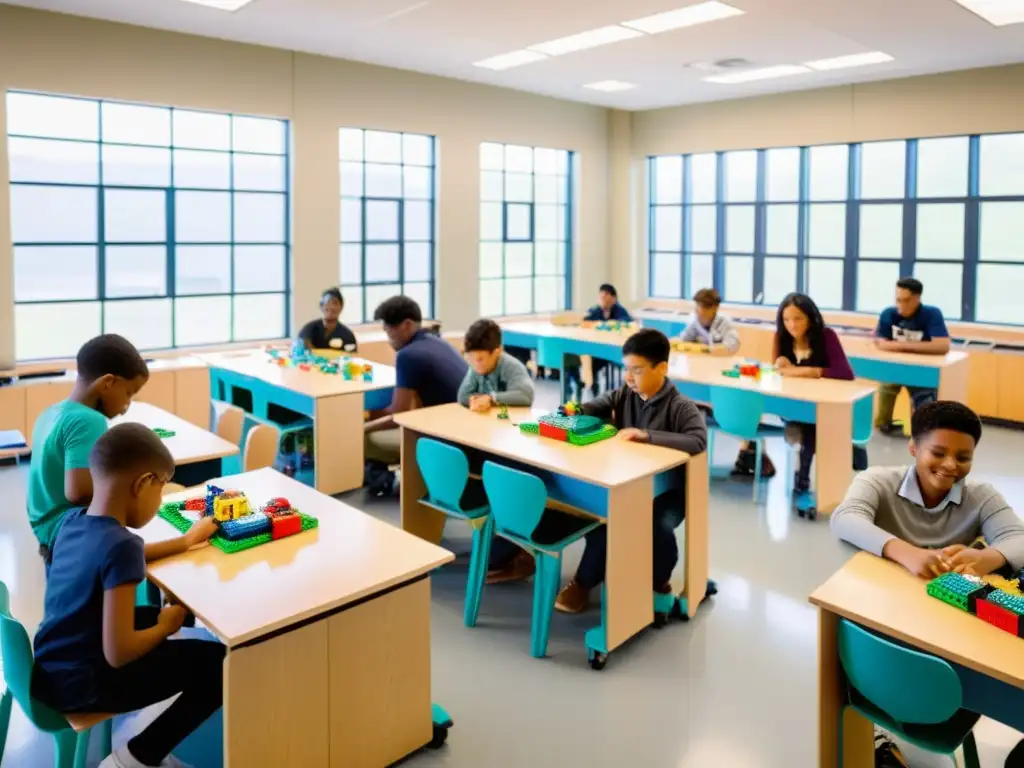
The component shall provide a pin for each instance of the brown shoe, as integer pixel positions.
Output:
(521, 567)
(573, 598)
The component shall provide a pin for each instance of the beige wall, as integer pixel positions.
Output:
(69, 55)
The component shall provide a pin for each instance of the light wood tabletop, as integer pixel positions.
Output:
(609, 463)
(883, 596)
(313, 383)
(574, 332)
(190, 444)
(863, 346)
(242, 596)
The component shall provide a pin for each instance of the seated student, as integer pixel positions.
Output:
(711, 327)
(329, 332)
(110, 373)
(95, 651)
(647, 409)
(805, 348)
(606, 309)
(913, 327)
(494, 376)
(428, 372)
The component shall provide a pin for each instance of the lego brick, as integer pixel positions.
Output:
(285, 525)
(959, 591)
(1000, 617)
(252, 525)
(606, 431)
(1009, 602)
(171, 512)
(553, 431)
(529, 428)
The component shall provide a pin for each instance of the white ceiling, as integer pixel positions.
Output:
(445, 37)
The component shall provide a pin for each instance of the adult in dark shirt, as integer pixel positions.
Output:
(428, 371)
(329, 332)
(912, 327)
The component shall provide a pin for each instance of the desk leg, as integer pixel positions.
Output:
(696, 554)
(628, 604)
(953, 381)
(858, 733)
(834, 457)
(417, 519)
(338, 439)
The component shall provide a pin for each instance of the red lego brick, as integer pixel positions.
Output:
(197, 504)
(284, 525)
(998, 616)
(555, 433)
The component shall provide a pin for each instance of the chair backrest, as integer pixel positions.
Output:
(909, 686)
(517, 499)
(260, 450)
(737, 411)
(229, 423)
(863, 419)
(445, 471)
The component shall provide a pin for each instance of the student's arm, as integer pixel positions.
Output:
(838, 363)
(933, 347)
(349, 339)
(122, 643)
(593, 314)
(884, 328)
(626, 317)
(518, 385)
(403, 400)
(730, 339)
(691, 333)
(689, 431)
(602, 407)
(467, 388)
(306, 333)
(201, 531)
(81, 435)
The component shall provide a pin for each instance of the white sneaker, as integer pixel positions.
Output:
(122, 758)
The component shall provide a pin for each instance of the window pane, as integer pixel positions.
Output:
(668, 228)
(135, 216)
(259, 218)
(518, 296)
(517, 222)
(265, 172)
(824, 281)
(383, 180)
(547, 258)
(739, 278)
(741, 177)
(492, 260)
(202, 217)
(940, 231)
(351, 264)
(783, 229)
(943, 286)
(417, 149)
(136, 271)
(34, 323)
(351, 220)
(518, 159)
(350, 144)
(702, 272)
(202, 269)
(136, 124)
(883, 169)
(546, 222)
(201, 130)
(418, 182)
(1002, 232)
(202, 320)
(136, 166)
(31, 114)
(46, 273)
(827, 226)
(259, 317)
(204, 170)
(668, 179)
(491, 221)
(548, 160)
(257, 134)
(874, 284)
(352, 179)
(998, 298)
(518, 259)
(739, 229)
(779, 279)
(942, 167)
(417, 221)
(492, 156)
(667, 275)
(546, 294)
(381, 263)
(354, 311)
(259, 268)
(703, 228)
(492, 298)
(492, 185)
(881, 231)
(829, 172)
(420, 293)
(55, 161)
(53, 214)
(417, 262)
(378, 294)
(145, 323)
(703, 178)
(383, 147)
(783, 168)
(519, 187)
(1002, 164)
(550, 189)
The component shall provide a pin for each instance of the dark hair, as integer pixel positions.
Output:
(815, 330)
(945, 414)
(911, 284)
(650, 344)
(609, 289)
(482, 336)
(707, 298)
(397, 310)
(127, 448)
(332, 293)
(110, 354)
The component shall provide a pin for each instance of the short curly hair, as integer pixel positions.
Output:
(945, 414)
(110, 354)
(130, 448)
(483, 336)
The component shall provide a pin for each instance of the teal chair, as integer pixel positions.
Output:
(451, 491)
(915, 696)
(518, 502)
(71, 748)
(738, 412)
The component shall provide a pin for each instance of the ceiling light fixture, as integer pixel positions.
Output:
(220, 5)
(610, 86)
(702, 13)
(584, 40)
(998, 13)
(509, 60)
(765, 73)
(854, 60)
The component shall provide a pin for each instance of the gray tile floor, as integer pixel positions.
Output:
(734, 688)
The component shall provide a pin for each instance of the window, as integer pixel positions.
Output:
(526, 229)
(168, 226)
(387, 219)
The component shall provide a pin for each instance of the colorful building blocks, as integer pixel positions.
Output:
(196, 504)
(163, 434)
(569, 425)
(349, 368)
(233, 530)
(957, 590)
(502, 411)
(230, 505)
(284, 525)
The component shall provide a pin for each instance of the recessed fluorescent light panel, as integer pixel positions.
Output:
(584, 40)
(509, 60)
(855, 60)
(220, 5)
(702, 13)
(998, 13)
(610, 86)
(752, 75)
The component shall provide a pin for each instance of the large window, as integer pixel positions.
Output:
(843, 222)
(525, 229)
(387, 219)
(165, 225)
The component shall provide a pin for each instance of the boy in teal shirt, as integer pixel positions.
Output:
(110, 373)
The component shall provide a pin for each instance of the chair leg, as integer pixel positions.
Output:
(5, 720)
(106, 738)
(545, 590)
(970, 746)
(758, 459)
(65, 745)
(82, 748)
(478, 559)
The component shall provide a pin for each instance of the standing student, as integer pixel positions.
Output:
(494, 376)
(110, 373)
(328, 332)
(607, 309)
(710, 327)
(912, 327)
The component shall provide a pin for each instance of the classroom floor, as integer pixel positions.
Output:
(734, 688)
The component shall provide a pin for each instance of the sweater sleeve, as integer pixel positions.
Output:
(518, 385)
(467, 387)
(730, 336)
(853, 521)
(691, 333)
(1002, 529)
(689, 430)
(838, 364)
(602, 406)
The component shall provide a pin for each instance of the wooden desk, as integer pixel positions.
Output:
(334, 407)
(947, 373)
(328, 633)
(880, 595)
(612, 479)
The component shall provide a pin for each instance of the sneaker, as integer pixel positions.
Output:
(893, 427)
(573, 598)
(745, 462)
(887, 754)
(378, 479)
(520, 568)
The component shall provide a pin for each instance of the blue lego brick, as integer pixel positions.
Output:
(245, 527)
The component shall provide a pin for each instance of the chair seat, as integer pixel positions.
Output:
(83, 721)
(555, 531)
(473, 503)
(944, 738)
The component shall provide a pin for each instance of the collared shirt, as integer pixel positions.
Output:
(911, 491)
(722, 332)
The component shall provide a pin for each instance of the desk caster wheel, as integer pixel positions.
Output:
(440, 736)
(711, 590)
(660, 620)
(598, 661)
(810, 513)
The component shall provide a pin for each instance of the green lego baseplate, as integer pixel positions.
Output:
(603, 433)
(171, 512)
(956, 589)
(529, 428)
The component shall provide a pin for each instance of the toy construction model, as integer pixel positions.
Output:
(689, 346)
(993, 599)
(347, 367)
(616, 325)
(502, 411)
(750, 368)
(163, 434)
(569, 425)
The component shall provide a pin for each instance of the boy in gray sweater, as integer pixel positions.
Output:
(710, 327)
(494, 376)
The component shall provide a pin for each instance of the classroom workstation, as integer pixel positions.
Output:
(468, 384)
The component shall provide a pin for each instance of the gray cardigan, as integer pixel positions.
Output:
(509, 383)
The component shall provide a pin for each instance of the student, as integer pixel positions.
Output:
(329, 332)
(805, 348)
(912, 327)
(710, 327)
(494, 376)
(110, 373)
(95, 651)
(428, 372)
(647, 409)
(607, 309)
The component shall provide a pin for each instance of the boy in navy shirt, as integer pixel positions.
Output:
(912, 327)
(95, 651)
(607, 309)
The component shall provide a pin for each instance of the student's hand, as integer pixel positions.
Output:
(887, 345)
(200, 531)
(171, 619)
(480, 403)
(634, 435)
(976, 562)
(923, 563)
(782, 363)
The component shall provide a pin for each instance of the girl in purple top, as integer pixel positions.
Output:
(805, 348)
